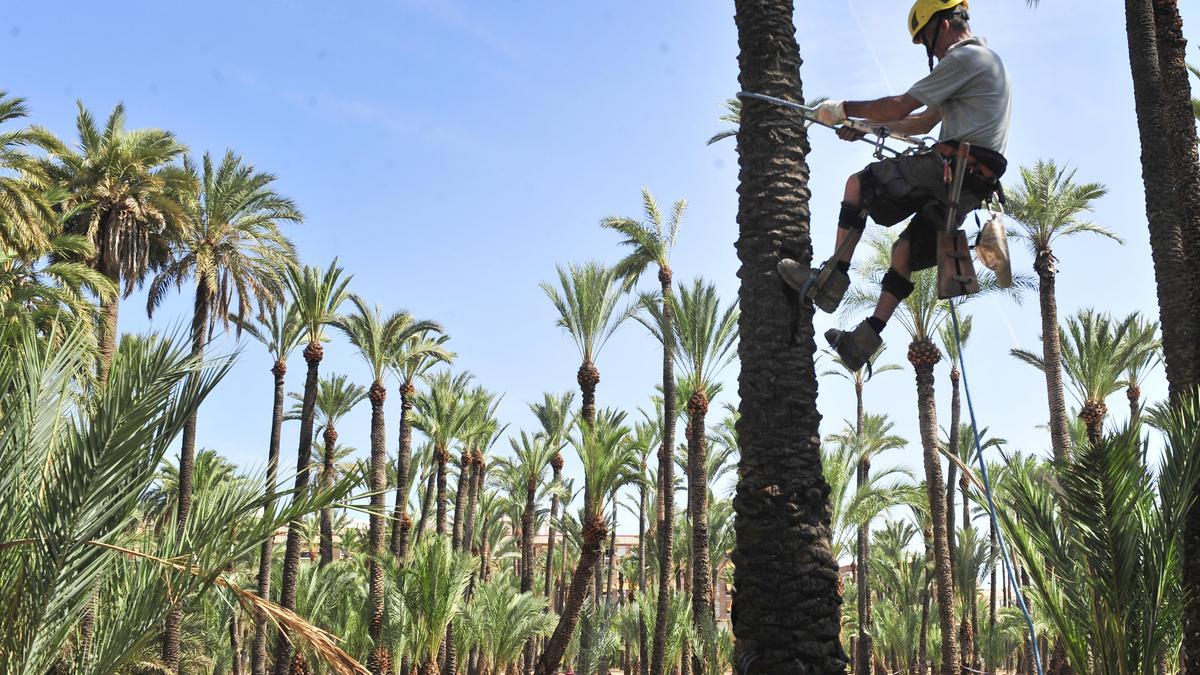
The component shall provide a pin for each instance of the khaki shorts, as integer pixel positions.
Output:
(915, 186)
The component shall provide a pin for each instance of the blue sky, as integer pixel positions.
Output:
(450, 153)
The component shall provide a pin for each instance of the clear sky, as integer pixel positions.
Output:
(451, 153)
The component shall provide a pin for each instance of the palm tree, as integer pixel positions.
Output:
(336, 397)
(587, 308)
(442, 413)
(652, 241)
(554, 414)
(336, 464)
(862, 551)
(316, 295)
(279, 331)
(379, 340)
(704, 334)
(26, 215)
(525, 471)
(778, 429)
(51, 290)
(435, 582)
(501, 621)
(1145, 354)
(416, 356)
(646, 439)
(1096, 352)
(604, 450)
(122, 193)
(953, 344)
(1047, 206)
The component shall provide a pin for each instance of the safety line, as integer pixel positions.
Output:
(987, 487)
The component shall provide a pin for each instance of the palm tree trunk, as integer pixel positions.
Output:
(325, 481)
(923, 640)
(588, 377)
(924, 355)
(1093, 414)
(785, 572)
(375, 535)
(401, 523)
(643, 638)
(952, 468)
(426, 504)
(527, 559)
(864, 646)
(1060, 435)
(258, 664)
(666, 476)
(235, 643)
(442, 457)
(187, 462)
(291, 557)
(612, 554)
(109, 309)
(991, 667)
(472, 500)
(703, 612)
(594, 532)
(461, 491)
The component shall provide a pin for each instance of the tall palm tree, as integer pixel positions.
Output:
(278, 330)
(953, 344)
(379, 339)
(587, 307)
(1049, 205)
(705, 333)
(645, 441)
(317, 295)
(336, 397)
(26, 214)
(554, 414)
(780, 501)
(651, 241)
(442, 413)
(1096, 352)
(607, 463)
(122, 193)
(862, 550)
(228, 241)
(416, 356)
(526, 471)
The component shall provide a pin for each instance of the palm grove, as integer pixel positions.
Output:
(118, 556)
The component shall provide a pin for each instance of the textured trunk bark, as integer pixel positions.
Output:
(401, 523)
(442, 456)
(703, 613)
(172, 631)
(924, 355)
(235, 643)
(581, 582)
(527, 559)
(1060, 435)
(291, 557)
(864, 646)
(472, 500)
(258, 663)
(109, 309)
(325, 481)
(461, 491)
(426, 504)
(666, 475)
(786, 574)
(923, 639)
(375, 532)
(952, 470)
(548, 588)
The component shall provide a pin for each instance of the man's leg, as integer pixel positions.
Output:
(897, 283)
(827, 287)
(856, 347)
(848, 221)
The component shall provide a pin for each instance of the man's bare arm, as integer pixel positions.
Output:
(887, 111)
(915, 125)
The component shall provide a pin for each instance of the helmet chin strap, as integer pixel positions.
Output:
(930, 44)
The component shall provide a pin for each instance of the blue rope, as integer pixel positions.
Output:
(987, 486)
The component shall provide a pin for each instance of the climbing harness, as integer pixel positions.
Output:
(991, 502)
(881, 134)
(956, 272)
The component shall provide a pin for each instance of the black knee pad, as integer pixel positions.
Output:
(852, 217)
(896, 284)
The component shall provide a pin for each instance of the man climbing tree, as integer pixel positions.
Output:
(968, 92)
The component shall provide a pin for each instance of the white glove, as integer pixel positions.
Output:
(831, 113)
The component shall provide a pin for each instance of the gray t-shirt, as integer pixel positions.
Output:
(971, 86)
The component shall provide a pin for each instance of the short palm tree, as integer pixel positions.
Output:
(1145, 354)
(278, 330)
(27, 219)
(52, 289)
(1047, 206)
(554, 414)
(123, 193)
(608, 462)
(414, 358)
(443, 412)
(317, 295)
(336, 397)
(586, 301)
(501, 621)
(1095, 351)
(379, 340)
(650, 242)
(436, 582)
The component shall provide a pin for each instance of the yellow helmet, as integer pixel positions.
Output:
(923, 10)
